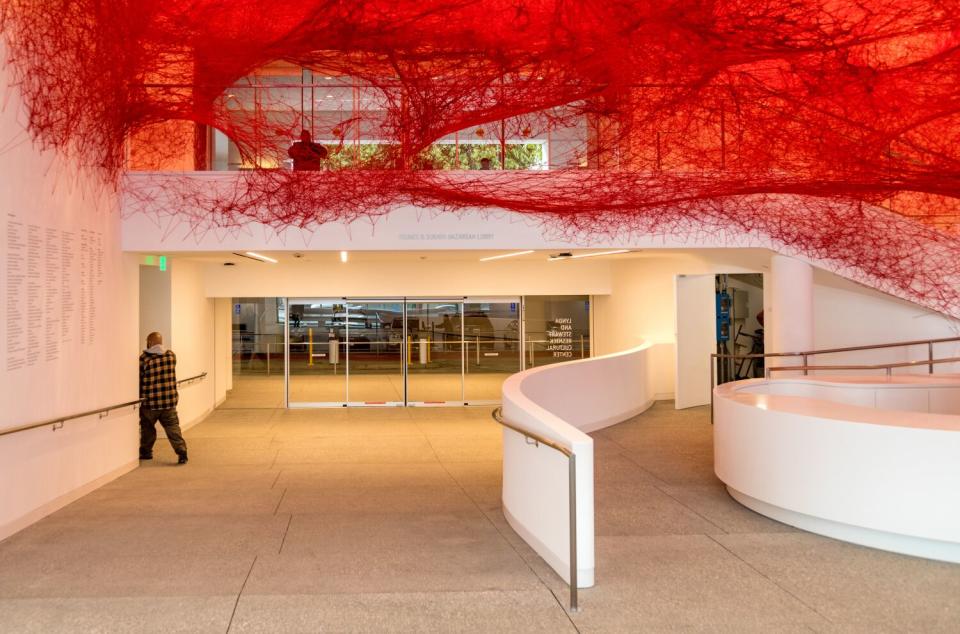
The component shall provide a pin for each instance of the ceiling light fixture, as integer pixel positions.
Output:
(590, 255)
(505, 255)
(570, 256)
(344, 256)
(262, 258)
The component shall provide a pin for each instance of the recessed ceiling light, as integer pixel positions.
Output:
(590, 255)
(262, 258)
(343, 256)
(570, 256)
(505, 255)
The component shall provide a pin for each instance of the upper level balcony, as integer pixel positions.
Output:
(354, 124)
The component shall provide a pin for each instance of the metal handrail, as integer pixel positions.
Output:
(538, 440)
(804, 355)
(879, 366)
(805, 367)
(103, 411)
(191, 379)
(876, 346)
(58, 422)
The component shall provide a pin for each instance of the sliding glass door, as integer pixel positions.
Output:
(435, 352)
(492, 348)
(395, 351)
(316, 353)
(373, 332)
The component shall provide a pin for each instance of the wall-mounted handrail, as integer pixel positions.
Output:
(58, 422)
(572, 472)
(103, 411)
(192, 379)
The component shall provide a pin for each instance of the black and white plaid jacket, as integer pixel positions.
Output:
(158, 380)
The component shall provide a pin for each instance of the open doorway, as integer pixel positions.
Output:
(739, 317)
(716, 313)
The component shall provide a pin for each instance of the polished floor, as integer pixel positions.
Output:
(388, 520)
(257, 391)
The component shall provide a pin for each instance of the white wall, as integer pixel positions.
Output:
(848, 314)
(642, 303)
(69, 328)
(405, 277)
(193, 337)
(154, 302)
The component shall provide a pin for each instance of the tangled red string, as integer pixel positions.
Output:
(826, 128)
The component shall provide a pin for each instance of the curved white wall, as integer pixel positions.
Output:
(562, 402)
(861, 459)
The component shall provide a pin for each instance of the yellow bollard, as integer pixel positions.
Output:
(310, 346)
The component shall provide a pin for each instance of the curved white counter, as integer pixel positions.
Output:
(561, 402)
(869, 460)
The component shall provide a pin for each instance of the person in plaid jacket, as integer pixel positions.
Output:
(158, 391)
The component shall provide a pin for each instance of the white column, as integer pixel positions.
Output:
(790, 319)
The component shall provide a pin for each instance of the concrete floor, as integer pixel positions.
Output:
(388, 520)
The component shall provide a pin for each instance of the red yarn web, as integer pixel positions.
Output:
(828, 129)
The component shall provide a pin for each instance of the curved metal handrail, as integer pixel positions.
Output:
(805, 367)
(538, 440)
(103, 411)
(878, 366)
(876, 346)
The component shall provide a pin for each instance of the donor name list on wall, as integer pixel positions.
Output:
(53, 277)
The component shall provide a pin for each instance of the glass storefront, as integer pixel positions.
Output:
(338, 352)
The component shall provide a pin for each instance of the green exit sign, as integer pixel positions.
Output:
(156, 260)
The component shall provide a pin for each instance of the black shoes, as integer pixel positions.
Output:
(149, 456)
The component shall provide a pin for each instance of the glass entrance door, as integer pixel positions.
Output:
(373, 331)
(316, 363)
(395, 352)
(435, 352)
(492, 346)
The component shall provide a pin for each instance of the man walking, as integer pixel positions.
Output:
(158, 389)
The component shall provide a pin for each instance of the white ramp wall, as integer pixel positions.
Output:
(561, 403)
(867, 460)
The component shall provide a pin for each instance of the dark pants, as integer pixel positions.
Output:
(148, 430)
